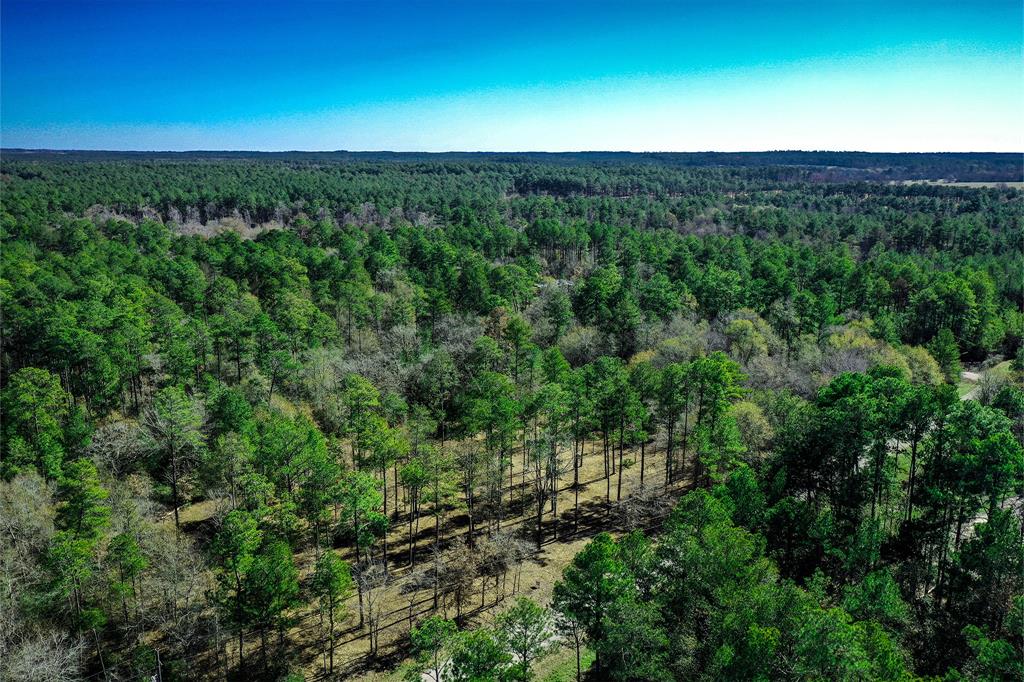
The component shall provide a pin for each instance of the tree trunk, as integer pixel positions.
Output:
(330, 639)
(411, 513)
(576, 487)
(540, 514)
(384, 479)
(174, 488)
(622, 446)
(910, 479)
(607, 472)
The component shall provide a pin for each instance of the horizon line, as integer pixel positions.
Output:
(488, 151)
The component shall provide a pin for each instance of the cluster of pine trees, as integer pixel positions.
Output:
(273, 418)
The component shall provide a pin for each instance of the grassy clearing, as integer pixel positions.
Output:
(965, 387)
(1000, 370)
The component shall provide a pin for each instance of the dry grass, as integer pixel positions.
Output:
(536, 579)
(538, 574)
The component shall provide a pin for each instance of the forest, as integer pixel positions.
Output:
(516, 417)
(999, 167)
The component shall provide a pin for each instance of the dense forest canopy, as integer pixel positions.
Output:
(961, 166)
(511, 416)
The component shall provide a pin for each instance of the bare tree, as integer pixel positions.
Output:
(510, 551)
(46, 657)
(117, 447)
(374, 580)
(461, 564)
(26, 527)
(646, 504)
(176, 582)
(415, 583)
(472, 461)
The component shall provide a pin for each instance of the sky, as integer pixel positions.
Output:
(724, 75)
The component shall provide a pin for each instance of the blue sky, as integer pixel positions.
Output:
(679, 76)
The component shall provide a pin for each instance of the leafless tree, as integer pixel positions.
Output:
(117, 447)
(26, 526)
(646, 504)
(45, 657)
(510, 551)
(415, 583)
(174, 586)
(461, 567)
(374, 579)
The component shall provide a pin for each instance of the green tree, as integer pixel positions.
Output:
(318, 474)
(635, 645)
(492, 408)
(272, 586)
(526, 629)
(128, 561)
(478, 656)
(995, 660)
(438, 382)
(516, 337)
(590, 586)
(877, 598)
(70, 562)
(414, 477)
(235, 549)
(673, 397)
(717, 384)
(360, 401)
(332, 585)
(946, 352)
(82, 510)
(830, 646)
(558, 313)
(609, 388)
(658, 298)
(431, 639)
(360, 499)
(174, 424)
(551, 405)
(35, 407)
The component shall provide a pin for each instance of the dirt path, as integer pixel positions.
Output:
(966, 378)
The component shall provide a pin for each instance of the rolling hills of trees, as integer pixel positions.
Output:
(511, 417)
